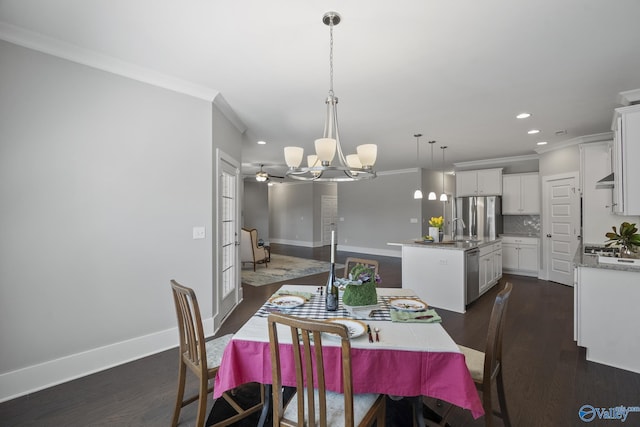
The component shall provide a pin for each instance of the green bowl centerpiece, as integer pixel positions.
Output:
(360, 287)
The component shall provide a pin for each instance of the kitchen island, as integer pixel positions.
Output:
(606, 314)
(451, 274)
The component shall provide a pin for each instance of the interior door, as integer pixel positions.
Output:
(228, 271)
(329, 209)
(561, 232)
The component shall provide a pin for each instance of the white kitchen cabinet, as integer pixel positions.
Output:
(520, 255)
(521, 194)
(597, 211)
(485, 182)
(490, 266)
(626, 192)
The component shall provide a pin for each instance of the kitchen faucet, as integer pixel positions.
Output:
(453, 227)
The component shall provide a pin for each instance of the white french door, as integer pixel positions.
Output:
(228, 287)
(561, 226)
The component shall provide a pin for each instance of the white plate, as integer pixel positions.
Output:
(355, 327)
(407, 304)
(286, 301)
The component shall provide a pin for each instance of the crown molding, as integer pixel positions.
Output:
(226, 110)
(497, 161)
(629, 97)
(598, 137)
(60, 49)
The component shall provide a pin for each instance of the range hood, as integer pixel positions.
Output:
(606, 182)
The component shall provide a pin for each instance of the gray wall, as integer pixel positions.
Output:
(560, 161)
(377, 212)
(255, 207)
(291, 214)
(101, 180)
(432, 181)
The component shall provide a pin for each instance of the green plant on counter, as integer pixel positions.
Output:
(628, 238)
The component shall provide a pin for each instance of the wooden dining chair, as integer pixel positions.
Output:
(311, 406)
(486, 367)
(202, 358)
(350, 262)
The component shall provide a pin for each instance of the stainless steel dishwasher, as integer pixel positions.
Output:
(472, 275)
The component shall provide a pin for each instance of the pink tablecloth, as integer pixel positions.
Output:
(442, 375)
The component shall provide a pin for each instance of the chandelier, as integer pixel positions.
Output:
(352, 167)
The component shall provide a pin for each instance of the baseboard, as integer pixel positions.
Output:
(53, 372)
(302, 243)
(520, 272)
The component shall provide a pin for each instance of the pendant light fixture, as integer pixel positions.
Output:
(349, 168)
(418, 193)
(443, 196)
(432, 194)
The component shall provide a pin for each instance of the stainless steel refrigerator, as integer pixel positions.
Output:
(481, 216)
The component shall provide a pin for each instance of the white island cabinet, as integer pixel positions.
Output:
(606, 315)
(436, 275)
(440, 276)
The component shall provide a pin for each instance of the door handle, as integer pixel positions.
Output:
(549, 235)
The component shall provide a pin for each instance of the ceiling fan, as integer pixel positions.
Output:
(263, 176)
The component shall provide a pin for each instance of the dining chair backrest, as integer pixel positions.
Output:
(351, 262)
(192, 341)
(203, 358)
(309, 363)
(493, 349)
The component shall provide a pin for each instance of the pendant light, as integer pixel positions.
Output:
(432, 194)
(418, 193)
(443, 196)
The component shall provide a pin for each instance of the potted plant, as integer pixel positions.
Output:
(435, 228)
(628, 239)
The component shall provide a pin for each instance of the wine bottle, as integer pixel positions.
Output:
(331, 297)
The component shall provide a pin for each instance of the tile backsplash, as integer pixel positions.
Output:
(521, 224)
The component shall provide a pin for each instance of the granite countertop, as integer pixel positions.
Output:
(591, 261)
(460, 243)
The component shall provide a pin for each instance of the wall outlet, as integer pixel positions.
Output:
(198, 233)
(413, 220)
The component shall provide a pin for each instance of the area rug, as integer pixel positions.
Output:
(281, 268)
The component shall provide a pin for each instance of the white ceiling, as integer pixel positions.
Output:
(456, 71)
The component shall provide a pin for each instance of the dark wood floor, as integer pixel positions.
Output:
(547, 377)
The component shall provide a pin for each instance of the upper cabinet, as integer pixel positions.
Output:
(626, 152)
(485, 182)
(520, 194)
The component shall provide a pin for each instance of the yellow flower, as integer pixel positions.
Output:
(436, 221)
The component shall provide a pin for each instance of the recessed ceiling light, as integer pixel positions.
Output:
(541, 143)
(533, 131)
(523, 116)
(262, 142)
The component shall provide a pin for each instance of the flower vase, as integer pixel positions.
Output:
(627, 251)
(435, 233)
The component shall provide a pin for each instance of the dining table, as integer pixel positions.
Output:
(408, 359)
